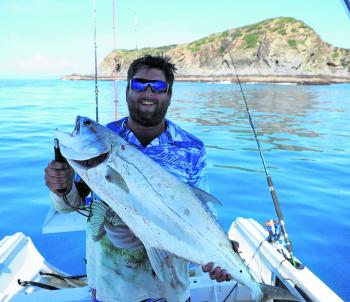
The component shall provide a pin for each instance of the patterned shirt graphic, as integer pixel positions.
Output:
(176, 150)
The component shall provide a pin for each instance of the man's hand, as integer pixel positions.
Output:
(59, 176)
(219, 274)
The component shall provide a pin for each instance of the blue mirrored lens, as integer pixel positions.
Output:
(157, 86)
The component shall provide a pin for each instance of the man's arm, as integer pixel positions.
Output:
(59, 179)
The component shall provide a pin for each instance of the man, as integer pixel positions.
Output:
(117, 264)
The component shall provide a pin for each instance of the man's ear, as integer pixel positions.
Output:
(126, 93)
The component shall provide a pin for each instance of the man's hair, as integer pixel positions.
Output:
(159, 62)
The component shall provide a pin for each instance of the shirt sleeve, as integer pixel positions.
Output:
(73, 199)
(199, 177)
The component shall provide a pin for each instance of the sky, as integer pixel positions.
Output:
(50, 38)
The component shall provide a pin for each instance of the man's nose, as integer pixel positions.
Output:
(148, 90)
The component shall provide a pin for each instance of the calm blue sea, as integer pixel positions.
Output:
(304, 132)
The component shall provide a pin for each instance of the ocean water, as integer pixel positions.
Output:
(304, 132)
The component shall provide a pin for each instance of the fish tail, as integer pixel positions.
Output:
(275, 292)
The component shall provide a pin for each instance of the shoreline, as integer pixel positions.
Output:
(273, 79)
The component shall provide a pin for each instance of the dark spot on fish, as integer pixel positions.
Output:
(240, 271)
(122, 147)
(187, 212)
(166, 260)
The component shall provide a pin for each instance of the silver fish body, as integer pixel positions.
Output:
(162, 211)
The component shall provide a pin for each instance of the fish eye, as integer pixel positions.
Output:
(87, 122)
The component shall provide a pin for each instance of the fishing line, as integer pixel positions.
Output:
(255, 253)
(288, 243)
(77, 209)
(229, 294)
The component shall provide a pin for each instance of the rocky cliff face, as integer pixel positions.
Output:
(277, 47)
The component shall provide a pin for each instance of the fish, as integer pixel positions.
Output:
(165, 213)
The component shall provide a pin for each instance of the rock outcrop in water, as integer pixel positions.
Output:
(274, 50)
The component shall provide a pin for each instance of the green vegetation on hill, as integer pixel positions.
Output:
(281, 39)
(251, 40)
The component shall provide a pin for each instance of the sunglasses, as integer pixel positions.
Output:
(157, 86)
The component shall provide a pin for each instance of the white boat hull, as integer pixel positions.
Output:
(19, 259)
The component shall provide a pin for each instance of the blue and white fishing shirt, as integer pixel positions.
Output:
(178, 151)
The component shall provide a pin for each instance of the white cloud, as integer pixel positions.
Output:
(41, 64)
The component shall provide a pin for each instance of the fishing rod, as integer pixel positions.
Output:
(115, 65)
(136, 20)
(95, 48)
(288, 243)
(346, 4)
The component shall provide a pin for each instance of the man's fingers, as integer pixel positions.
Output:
(58, 165)
(208, 267)
(59, 173)
(56, 180)
(59, 176)
(235, 245)
(216, 273)
(220, 275)
(56, 185)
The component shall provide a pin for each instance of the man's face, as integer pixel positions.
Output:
(146, 107)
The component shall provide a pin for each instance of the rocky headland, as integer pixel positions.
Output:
(279, 50)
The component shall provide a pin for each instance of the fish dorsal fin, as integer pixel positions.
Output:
(204, 196)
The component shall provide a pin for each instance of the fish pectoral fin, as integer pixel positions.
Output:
(204, 196)
(157, 258)
(116, 178)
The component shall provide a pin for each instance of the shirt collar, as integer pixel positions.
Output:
(164, 138)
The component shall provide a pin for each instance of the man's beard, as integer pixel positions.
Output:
(148, 118)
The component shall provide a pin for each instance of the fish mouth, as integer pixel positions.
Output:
(92, 162)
